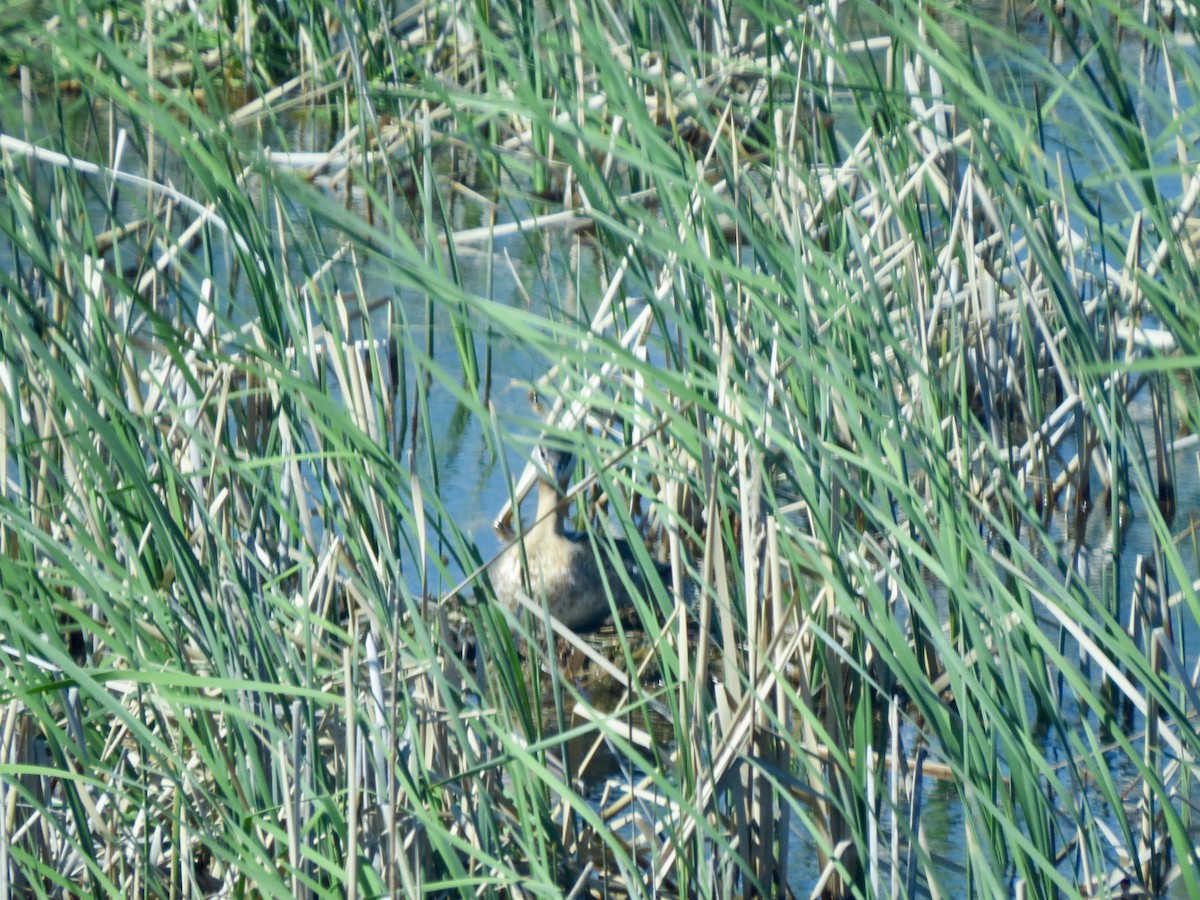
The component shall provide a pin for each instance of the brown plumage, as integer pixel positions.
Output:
(561, 565)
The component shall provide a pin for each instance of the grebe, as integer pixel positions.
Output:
(562, 566)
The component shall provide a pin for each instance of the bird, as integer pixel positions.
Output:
(561, 565)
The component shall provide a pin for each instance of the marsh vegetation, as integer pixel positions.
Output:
(872, 325)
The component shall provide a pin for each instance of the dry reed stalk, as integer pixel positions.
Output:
(730, 746)
(744, 792)
(772, 865)
(1154, 851)
(10, 145)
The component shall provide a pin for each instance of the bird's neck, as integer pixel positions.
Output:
(551, 510)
